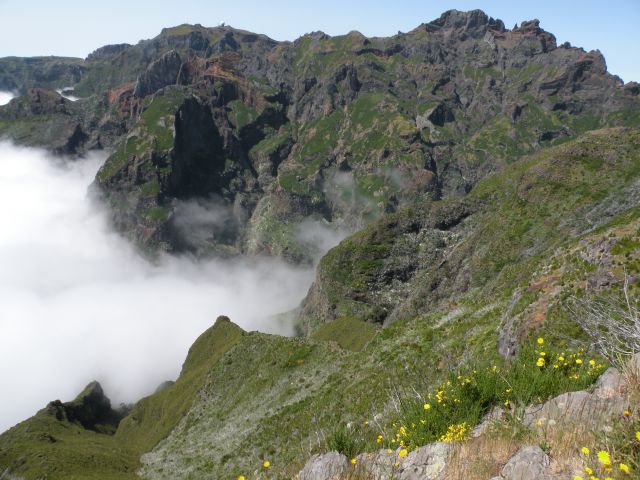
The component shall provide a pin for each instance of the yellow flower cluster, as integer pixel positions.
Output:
(456, 433)
(604, 465)
(572, 363)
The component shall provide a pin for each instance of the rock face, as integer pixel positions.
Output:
(588, 408)
(43, 118)
(425, 463)
(159, 74)
(91, 409)
(332, 130)
(329, 466)
(21, 74)
(529, 463)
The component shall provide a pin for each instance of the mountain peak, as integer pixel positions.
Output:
(473, 20)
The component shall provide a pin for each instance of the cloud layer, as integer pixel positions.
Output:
(77, 303)
(5, 97)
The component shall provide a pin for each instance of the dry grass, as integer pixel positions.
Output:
(481, 458)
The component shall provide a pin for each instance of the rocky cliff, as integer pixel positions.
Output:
(332, 130)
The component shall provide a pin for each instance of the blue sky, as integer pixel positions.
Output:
(75, 28)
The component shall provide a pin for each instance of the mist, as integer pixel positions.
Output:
(5, 97)
(77, 303)
(61, 92)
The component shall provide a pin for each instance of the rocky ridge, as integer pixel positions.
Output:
(331, 130)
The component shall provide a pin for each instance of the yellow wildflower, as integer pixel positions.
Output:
(561, 358)
(241, 477)
(638, 436)
(402, 453)
(539, 423)
(585, 450)
(540, 341)
(353, 461)
(624, 468)
(379, 439)
(543, 354)
(266, 464)
(540, 362)
(396, 465)
(604, 458)
(389, 451)
(577, 477)
(592, 363)
(588, 471)
(626, 413)
(427, 406)
(578, 361)
(456, 433)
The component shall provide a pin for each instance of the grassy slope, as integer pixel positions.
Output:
(78, 453)
(517, 218)
(253, 409)
(278, 398)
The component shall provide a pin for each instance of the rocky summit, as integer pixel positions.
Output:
(488, 180)
(339, 130)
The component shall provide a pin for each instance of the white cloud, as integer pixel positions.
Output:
(72, 98)
(77, 304)
(5, 97)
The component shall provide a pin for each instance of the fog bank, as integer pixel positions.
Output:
(77, 303)
(5, 97)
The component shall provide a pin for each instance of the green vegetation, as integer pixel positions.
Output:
(65, 450)
(118, 160)
(350, 333)
(271, 143)
(240, 114)
(158, 214)
(157, 117)
(449, 412)
(153, 417)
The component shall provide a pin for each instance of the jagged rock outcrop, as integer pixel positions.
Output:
(529, 463)
(20, 74)
(328, 466)
(159, 74)
(44, 118)
(608, 398)
(337, 129)
(424, 463)
(91, 409)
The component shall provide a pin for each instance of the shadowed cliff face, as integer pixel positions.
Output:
(91, 409)
(198, 153)
(328, 129)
